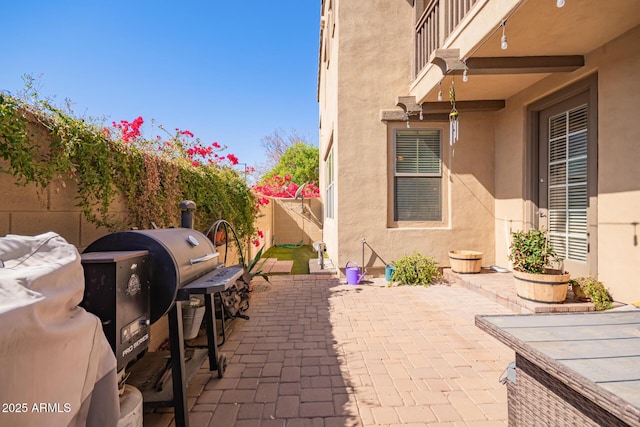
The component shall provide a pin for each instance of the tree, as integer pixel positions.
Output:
(299, 160)
(297, 165)
(277, 143)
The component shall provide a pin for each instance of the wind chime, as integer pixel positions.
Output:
(454, 131)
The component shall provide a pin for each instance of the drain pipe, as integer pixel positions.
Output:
(364, 242)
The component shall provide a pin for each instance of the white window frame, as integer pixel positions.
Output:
(330, 186)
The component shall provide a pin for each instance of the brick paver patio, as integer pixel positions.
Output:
(319, 353)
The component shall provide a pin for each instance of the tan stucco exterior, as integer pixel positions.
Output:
(618, 201)
(486, 173)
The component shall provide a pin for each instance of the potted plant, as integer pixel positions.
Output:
(221, 237)
(534, 262)
(590, 289)
(464, 261)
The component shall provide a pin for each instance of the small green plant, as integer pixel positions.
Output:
(222, 232)
(530, 252)
(249, 272)
(595, 291)
(416, 269)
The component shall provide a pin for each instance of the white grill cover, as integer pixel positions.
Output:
(56, 365)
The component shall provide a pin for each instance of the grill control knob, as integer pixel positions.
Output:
(145, 322)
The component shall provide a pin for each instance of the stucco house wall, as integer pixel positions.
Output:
(618, 200)
(372, 68)
(468, 188)
(487, 173)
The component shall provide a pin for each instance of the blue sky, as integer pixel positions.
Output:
(229, 71)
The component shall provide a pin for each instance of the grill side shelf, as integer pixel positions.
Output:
(217, 280)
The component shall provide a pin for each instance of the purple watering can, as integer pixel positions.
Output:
(353, 274)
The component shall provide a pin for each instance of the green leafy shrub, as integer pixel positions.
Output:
(530, 252)
(416, 269)
(595, 291)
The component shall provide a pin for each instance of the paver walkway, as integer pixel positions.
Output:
(274, 266)
(500, 287)
(319, 353)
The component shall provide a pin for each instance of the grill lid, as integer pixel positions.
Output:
(177, 256)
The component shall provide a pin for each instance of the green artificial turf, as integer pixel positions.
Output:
(300, 257)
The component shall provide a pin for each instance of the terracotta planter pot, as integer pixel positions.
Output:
(550, 287)
(221, 237)
(465, 261)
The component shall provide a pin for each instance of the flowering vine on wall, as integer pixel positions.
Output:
(284, 187)
(181, 145)
(43, 145)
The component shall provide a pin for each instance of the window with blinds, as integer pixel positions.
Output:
(418, 175)
(568, 198)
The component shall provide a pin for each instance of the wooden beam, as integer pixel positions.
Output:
(439, 111)
(463, 106)
(399, 116)
(438, 117)
(427, 117)
(523, 64)
(450, 63)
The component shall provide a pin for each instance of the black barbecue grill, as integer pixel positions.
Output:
(133, 278)
(177, 257)
(117, 291)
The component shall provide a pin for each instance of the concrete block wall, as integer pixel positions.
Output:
(293, 224)
(29, 210)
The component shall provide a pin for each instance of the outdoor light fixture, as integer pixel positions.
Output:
(421, 116)
(465, 78)
(503, 40)
(560, 3)
(440, 90)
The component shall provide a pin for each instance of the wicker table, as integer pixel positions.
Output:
(579, 369)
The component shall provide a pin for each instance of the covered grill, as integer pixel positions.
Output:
(133, 278)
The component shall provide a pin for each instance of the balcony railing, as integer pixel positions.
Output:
(427, 34)
(438, 20)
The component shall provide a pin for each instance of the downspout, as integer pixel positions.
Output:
(364, 242)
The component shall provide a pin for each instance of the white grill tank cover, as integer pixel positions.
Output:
(57, 368)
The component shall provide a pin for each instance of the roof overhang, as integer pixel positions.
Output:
(542, 40)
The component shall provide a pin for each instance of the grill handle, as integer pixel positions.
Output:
(207, 257)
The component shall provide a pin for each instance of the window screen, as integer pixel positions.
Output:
(418, 175)
(568, 199)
